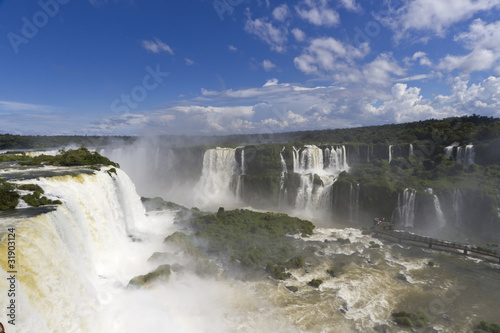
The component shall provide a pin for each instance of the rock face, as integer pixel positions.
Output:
(161, 273)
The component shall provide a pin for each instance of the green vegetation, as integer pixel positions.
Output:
(485, 327)
(162, 272)
(77, 157)
(250, 240)
(374, 245)
(315, 283)
(407, 319)
(293, 289)
(9, 198)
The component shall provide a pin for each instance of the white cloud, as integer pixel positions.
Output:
(434, 15)
(274, 36)
(380, 70)
(281, 13)
(272, 82)
(482, 97)
(317, 12)
(232, 48)
(422, 58)
(189, 62)
(328, 56)
(156, 46)
(299, 35)
(206, 92)
(350, 5)
(484, 42)
(268, 65)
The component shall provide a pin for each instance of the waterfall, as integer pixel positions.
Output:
(74, 263)
(390, 153)
(283, 173)
(441, 220)
(240, 183)
(367, 154)
(464, 155)
(318, 171)
(457, 207)
(336, 160)
(448, 151)
(354, 203)
(215, 185)
(406, 208)
(410, 152)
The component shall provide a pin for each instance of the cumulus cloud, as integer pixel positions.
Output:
(276, 37)
(299, 35)
(232, 48)
(281, 13)
(156, 46)
(328, 56)
(483, 41)
(278, 106)
(482, 97)
(317, 12)
(406, 104)
(268, 65)
(350, 5)
(434, 15)
(381, 70)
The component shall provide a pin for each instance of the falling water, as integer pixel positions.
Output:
(406, 208)
(240, 184)
(219, 169)
(354, 203)
(390, 153)
(441, 220)
(318, 173)
(410, 152)
(465, 155)
(283, 173)
(457, 207)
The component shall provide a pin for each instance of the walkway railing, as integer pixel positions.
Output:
(401, 235)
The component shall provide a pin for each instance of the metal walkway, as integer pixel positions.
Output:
(401, 235)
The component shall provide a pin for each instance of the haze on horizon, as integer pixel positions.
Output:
(217, 67)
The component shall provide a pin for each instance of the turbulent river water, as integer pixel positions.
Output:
(73, 265)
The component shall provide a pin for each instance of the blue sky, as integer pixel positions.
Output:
(124, 67)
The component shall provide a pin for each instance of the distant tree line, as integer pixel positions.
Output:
(456, 129)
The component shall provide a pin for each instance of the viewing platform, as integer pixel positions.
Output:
(384, 229)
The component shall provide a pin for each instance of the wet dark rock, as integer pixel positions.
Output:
(402, 277)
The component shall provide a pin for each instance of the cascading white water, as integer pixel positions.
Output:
(464, 155)
(283, 173)
(448, 151)
(318, 172)
(240, 184)
(71, 260)
(367, 154)
(406, 207)
(457, 206)
(390, 153)
(354, 203)
(214, 186)
(441, 220)
(410, 150)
